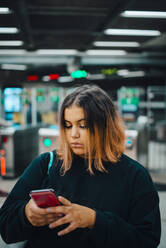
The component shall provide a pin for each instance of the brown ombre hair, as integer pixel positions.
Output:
(105, 128)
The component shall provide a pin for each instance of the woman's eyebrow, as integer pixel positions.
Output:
(77, 120)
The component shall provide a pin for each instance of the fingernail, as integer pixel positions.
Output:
(60, 215)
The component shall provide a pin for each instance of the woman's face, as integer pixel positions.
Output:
(76, 129)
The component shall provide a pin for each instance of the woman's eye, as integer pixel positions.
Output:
(68, 126)
(82, 126)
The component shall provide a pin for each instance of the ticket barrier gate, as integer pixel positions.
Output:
(18, 147)
(137, 145)
(48, 139)
(136, 142)
(131, 143)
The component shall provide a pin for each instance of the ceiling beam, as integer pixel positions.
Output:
(67, 11)
(35, 59)
(111, 16)
(20, 8)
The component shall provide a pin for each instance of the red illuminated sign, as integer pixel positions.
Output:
(33, 78)
(3, 166)
(53, 76)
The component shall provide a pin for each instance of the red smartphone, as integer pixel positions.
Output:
(45, 198)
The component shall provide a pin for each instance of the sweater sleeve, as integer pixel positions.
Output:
(141, 229)
(14, 225)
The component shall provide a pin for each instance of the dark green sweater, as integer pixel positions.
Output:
(125, 200)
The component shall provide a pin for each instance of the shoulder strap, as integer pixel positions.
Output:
(50, 162)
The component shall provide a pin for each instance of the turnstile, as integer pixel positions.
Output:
(48, 139)
(131, 143)
(18, 147)
(137, 145)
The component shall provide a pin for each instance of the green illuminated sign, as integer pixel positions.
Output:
(54, 94)
(79, 74)
(47, 142)
(40, 95)
(109, 71)
(129, 96)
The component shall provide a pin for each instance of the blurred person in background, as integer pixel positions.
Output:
(29, 114)
(108, 199)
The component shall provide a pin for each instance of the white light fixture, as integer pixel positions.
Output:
(5, 11)
(116, 44)
(105, 52)
(95, 76)
(14, 67)
(131, 32)
(65, 79)
(9, 30)
(45, 78)
(123, 72)
(11, 43)
(56, 52)
(127, 73)
(136, 74)
(144, 14)
(10, 52)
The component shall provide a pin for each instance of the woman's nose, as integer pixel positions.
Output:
(75, 132)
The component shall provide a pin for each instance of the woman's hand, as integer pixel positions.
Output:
(39, 216)
(76, 215)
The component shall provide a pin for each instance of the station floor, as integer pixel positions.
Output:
(7, 184)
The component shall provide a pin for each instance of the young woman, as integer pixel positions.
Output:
(108, 199)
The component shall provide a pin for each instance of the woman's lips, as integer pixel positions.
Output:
(76, 145)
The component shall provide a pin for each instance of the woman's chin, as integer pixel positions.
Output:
(79, 152)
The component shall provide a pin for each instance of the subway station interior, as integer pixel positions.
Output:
(48, 48)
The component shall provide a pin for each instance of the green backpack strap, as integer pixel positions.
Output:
(50, 162)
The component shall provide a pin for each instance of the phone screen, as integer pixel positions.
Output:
(45, 198)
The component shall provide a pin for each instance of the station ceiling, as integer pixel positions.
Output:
(60, 36)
